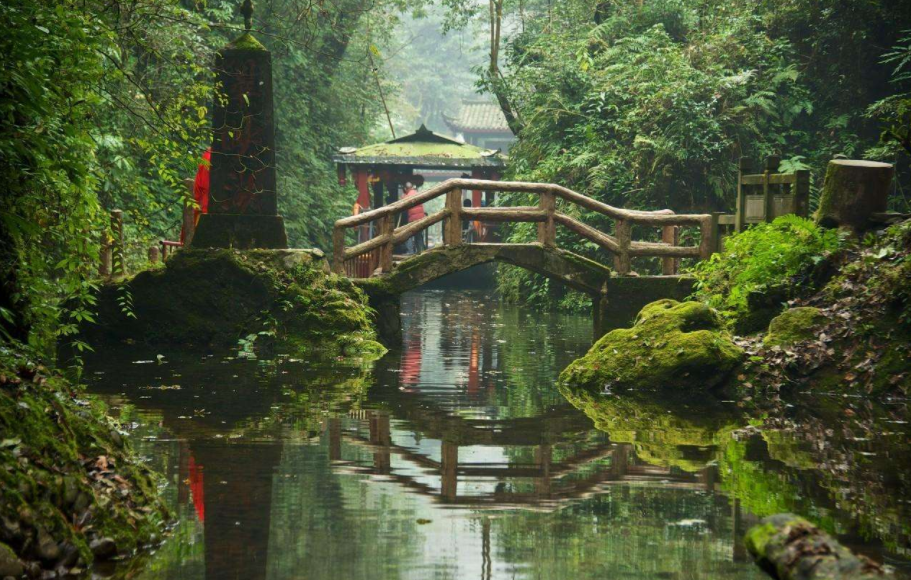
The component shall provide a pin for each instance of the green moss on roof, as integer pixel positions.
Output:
(246, 41)
(421, 149)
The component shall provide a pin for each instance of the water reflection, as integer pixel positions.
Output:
(459, 458)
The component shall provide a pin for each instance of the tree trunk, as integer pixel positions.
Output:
(853, 191)
(789, 547)
(494, 78)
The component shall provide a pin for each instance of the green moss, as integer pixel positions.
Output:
(246, 41)
(785, 447)
(220, 297)
(678, 433)
(758, 537)
(671, 345)
(794, 325)
(63, 461)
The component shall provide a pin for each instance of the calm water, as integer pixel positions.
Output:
(460, 459)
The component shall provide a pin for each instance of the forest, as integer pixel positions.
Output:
(772, 371)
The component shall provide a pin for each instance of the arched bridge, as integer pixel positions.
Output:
(372, 263)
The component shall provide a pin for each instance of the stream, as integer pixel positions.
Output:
(459, 458)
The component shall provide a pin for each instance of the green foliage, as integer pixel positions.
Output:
(894, 111)
(649, 105)
(106, 105)
(764, 256)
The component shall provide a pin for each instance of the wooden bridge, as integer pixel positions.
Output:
(385, 278)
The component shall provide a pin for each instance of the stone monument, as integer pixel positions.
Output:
(243, 206)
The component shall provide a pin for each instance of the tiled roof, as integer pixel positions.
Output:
(476, 115)
(422, 148)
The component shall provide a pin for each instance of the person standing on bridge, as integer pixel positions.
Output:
(416, 242)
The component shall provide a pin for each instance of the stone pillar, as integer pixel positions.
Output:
(243, 209)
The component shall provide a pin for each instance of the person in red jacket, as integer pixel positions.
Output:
(200, 190)
(416, 243)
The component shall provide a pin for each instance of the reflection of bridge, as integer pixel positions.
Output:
(582, 473)
(373, 258)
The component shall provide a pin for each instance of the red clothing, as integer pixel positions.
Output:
(201, 185)
(417, 212)
(200, 191)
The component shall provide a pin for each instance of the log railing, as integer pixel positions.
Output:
(545, 214)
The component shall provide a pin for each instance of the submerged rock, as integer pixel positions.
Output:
(794, 325)
(789, 547)
(672, 344)
(215, 297)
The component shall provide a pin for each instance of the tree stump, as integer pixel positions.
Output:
(853, 191)
(789, 547)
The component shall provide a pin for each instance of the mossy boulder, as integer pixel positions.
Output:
(789, 547)
(672, 345)
(215, 297)
(68, 477)
(794, 325)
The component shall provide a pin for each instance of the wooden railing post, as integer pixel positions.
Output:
(387, 226)
(189, 225)
(105, 267)
(802, 192)
(740, 206)
(623, 262)
(707, 245)
(454, 224)
(670, 235)
(338, 250)
(768, 196)
(547, 230)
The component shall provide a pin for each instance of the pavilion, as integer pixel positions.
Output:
(379, 171)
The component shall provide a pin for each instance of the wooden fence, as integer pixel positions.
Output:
(379, 249)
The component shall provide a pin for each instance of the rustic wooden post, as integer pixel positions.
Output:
(189, 225)
(387, 226)
(623, 260)
(154, 254)
(707, 229)
(338, 250)
(802, 192)
(118, 262)
(740, 208)
(547, 230)
(454, 223)
(107, 258)
(670, 235)
(768, 197)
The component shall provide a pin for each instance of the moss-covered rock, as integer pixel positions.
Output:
(68, 477)
(672, 344)
(222, 297)
(794, 325)
(791, 548)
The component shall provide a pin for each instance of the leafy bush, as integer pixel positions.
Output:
(762, 257)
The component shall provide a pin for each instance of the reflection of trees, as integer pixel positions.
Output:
(841, 473)
(627, 531)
